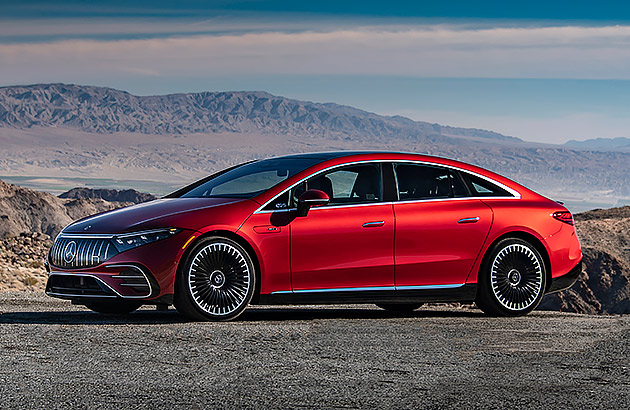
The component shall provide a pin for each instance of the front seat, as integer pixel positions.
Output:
(322, 183)
(366, 185)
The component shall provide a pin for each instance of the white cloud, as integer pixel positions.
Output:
(422, 51)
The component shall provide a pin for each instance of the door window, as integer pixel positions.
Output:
(427, 182)
(354, 184)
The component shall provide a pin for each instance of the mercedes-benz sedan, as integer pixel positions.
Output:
(393, 229)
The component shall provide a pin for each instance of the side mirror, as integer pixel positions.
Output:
(312, 197)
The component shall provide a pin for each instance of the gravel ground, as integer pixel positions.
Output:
(54, 355)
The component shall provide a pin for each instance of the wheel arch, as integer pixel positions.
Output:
(528, 237)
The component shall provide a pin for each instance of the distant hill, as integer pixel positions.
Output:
(601, 144)
(110, 195)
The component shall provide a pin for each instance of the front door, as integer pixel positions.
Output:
(347, 244)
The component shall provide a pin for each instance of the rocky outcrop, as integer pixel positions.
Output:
(24, 211)
(604, 286)
(109, 195)
(28, 221)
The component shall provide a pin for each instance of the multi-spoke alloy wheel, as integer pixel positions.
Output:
(218, 280)
(516, 277)
(512, 280)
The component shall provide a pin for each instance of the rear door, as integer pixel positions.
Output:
(440, 229)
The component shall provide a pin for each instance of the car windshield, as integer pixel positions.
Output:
(249, 180)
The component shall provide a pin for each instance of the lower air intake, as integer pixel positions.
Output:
(77, 285)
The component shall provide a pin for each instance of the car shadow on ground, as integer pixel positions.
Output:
(257, 314)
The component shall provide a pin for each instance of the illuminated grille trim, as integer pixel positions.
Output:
(74, 252)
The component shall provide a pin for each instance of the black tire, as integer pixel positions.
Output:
(113, 307)
(512, 279)
(216, 281)
(399, 307)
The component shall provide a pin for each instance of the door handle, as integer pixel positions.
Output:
(470, 220)
(374, 224)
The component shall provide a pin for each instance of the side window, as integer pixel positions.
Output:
(354, 184)
(459, 187)
(481, 187)
(427, 182)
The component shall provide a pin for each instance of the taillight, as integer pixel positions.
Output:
(564, 216)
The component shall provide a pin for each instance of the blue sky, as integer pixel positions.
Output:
(542, 71)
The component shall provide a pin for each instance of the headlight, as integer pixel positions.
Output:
(127, 241)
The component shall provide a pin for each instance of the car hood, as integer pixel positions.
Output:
(148, 215)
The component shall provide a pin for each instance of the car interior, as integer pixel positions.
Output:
(420, 182)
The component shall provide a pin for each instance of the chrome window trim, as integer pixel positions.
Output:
(516, 194)
(369, 288)
(118, 265)
(408, 201)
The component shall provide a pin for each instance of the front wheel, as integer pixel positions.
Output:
(512, 279)
(216, 282)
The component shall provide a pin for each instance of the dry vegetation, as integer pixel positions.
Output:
(22, 262)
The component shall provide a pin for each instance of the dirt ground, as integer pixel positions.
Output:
(55, 355)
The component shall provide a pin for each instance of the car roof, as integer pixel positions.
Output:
(329, 154)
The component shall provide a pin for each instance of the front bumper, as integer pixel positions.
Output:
(567, 280)
(144, 273)
(127, 281)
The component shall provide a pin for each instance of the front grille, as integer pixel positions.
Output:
(77, 285)
(76, 252)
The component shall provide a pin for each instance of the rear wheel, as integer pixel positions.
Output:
(217, 281)
(399, 307)
(113, 308)
(512, 279)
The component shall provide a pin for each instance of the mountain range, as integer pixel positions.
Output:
(105, 110)
(107, 137)
(601, 144)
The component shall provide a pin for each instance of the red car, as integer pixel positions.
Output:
(392, 229)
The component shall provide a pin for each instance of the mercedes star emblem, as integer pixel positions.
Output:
(69, 252)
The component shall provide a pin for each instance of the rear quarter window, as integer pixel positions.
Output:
(482, 187)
